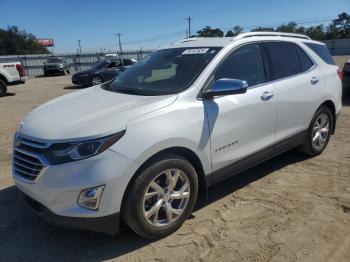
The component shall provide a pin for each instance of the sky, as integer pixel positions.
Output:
(153, 23)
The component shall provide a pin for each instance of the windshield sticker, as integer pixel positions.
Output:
(195, 51)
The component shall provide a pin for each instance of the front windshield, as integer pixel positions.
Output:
(55, 60)
(167, 71)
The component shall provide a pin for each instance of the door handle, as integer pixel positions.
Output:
(315, 80)
(267, 95)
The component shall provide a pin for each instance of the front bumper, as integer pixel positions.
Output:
(81, 81)
(107, 224)
(53, 70)
(58, 187)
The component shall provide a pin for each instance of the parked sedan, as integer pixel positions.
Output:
(56, 65)
(102, 72)
(346, 76)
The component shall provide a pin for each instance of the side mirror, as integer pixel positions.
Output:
(226, 86)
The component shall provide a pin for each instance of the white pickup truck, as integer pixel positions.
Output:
(11, 74)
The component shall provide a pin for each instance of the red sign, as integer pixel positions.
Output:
(46, 42)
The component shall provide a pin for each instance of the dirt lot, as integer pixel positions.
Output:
(291, 208)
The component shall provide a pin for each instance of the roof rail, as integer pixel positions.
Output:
(251, 34)
(186, 40)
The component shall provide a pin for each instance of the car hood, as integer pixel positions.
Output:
(88, 114)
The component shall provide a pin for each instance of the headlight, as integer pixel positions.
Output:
(68, 152)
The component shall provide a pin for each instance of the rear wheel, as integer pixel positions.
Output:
(3, 87)
(161, 198)
(96, 80)
(319, 132)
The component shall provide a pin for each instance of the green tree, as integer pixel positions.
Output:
(342, 23)
(291, 27)
(235, 31)
(263, 29)
(18, 42)
(316, 32)
(210, 32)
(332, 32)
(229, 33)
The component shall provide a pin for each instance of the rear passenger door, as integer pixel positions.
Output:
(298, 83)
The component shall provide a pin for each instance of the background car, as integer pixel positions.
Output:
(346, 76)
(56, 65)
(12, 73)
(102, 72)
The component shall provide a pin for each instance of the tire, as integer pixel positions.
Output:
(96, 80)
(313, 146)
(137, 205)
(3, 87)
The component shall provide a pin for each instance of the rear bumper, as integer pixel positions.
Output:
(107, 224)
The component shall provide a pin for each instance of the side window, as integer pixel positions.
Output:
(305, 61)
(322, 52)
(284, 59)
(127, 62)
(113, 64)
(245, 63)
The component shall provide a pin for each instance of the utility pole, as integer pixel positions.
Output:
(189, 19)
(120, 44)
(79, 44)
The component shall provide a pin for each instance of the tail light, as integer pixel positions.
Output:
(340, 74)
(20, 70)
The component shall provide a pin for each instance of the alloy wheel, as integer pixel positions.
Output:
(96, 80)
(166, 198)
(320, 131)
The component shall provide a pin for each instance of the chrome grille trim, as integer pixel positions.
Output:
(28, 161)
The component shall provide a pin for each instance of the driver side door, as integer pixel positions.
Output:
(242, 126)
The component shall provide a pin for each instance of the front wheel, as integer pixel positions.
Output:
(161, 197)
(319, 132)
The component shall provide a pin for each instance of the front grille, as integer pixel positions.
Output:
(28, 159)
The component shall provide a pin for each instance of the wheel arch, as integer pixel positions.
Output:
(331, 106)
(184, 152)
(97, 74)
(3, 78)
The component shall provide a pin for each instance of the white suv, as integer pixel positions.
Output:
(142, 147)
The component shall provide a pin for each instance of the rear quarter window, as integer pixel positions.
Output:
(305, 61)
(322, 52)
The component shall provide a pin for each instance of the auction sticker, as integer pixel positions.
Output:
(194, 51)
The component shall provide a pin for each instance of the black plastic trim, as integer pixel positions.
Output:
(107, 224)
(259, 157)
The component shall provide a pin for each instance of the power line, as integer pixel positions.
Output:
(183, 32)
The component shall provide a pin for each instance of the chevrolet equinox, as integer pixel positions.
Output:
(140, 148)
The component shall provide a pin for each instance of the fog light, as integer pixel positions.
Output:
(90, 198)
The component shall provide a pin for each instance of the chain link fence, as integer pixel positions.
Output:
(34, 64)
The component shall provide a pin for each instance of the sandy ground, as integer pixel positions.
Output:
(291, 208)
